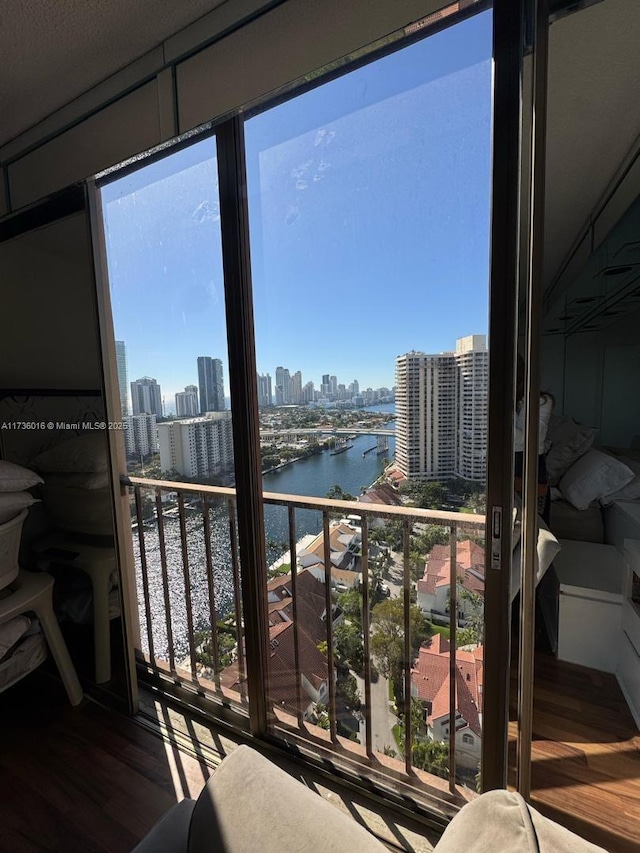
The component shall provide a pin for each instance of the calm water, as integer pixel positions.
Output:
(313, 477)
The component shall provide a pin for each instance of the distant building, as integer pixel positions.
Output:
(211, 384)
(441, 412)
(296, 388)
(265, 395)
(430, 685)
(141, 435)
(123, 381)
(146, 397)
(283, 382)
(187, 402)
(197, 447)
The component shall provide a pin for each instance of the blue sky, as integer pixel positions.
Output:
(369, 216)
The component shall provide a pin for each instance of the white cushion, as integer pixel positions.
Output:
(595, 475)
(15, 478)
(79, 454)
(12, 503)
(569, 441)
(631, 491)
(11, 632)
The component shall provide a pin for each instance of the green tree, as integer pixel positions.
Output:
(474, 614)
(432, 756)
(351, 605)
(349, 693)
(417, 724)
(432, 535)
(387, 639)
(336, 492)
(349, 645)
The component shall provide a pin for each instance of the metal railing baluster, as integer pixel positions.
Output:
(187, 587)
(237, 599)
(453, 627)
(144, 572)
(296, 624)
(165, 581)
(333, 723)
(406, 589)
(215, 651)
(366, 633)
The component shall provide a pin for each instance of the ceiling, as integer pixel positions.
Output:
(54, 50)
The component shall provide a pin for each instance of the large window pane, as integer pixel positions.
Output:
(369, 215)
(162, 226)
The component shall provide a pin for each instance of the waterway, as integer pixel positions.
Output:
(313, 477)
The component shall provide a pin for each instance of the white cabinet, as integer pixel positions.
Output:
(590, 576)
(628, 671)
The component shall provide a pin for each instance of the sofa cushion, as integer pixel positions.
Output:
(171, 832)
(501, 820)
(251, 805)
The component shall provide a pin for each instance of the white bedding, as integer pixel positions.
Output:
(548, 547)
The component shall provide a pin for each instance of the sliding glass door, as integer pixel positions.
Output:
(303, 302)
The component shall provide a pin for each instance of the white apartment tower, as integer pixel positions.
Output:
(441, 412)
(146, 397)
(140, 435)
(187, 402)
(197, 447)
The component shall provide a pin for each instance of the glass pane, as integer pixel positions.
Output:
(369, 206)
(162, 226)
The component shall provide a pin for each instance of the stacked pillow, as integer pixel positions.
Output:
(14, 482)
(76, 494)
(598, 476)
(569, 441)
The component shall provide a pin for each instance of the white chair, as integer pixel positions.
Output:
(33, 592)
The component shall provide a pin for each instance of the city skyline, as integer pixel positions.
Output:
(364, 244)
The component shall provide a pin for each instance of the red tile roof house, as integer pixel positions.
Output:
(433, 588)
(344, 549)
(430, 684)
(311, 611)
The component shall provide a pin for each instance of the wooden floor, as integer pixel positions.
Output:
(82, 779)
(586, 755)
(87, 779)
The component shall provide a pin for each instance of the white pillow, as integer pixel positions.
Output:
(15, 478)
(595, 475)
(12, 504)
(11, 632)
(569, 441)
(80, 454)
(631, 491)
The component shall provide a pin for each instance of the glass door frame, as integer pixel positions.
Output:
(506, 202)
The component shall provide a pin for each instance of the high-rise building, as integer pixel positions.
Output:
(211, 385)
(121, 364)
(146, 397)
(265, 395)
(140, 435)
(355, 388)
(333, 385)
(197, 447)
(296, 387)
(441, 412)
(283, 381)
(187, 402)
(308, 393)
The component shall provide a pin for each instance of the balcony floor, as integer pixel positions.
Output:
(586, 754)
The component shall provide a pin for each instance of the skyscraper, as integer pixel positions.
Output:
(197, 446)
(121, 362)
(146, 397)
(283, 381)
(211, 384)
(187, 402)
(296, 387)
(441, 412)
(265, 396)
(141, 435)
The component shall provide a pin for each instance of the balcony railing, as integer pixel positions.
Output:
(192, 623)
